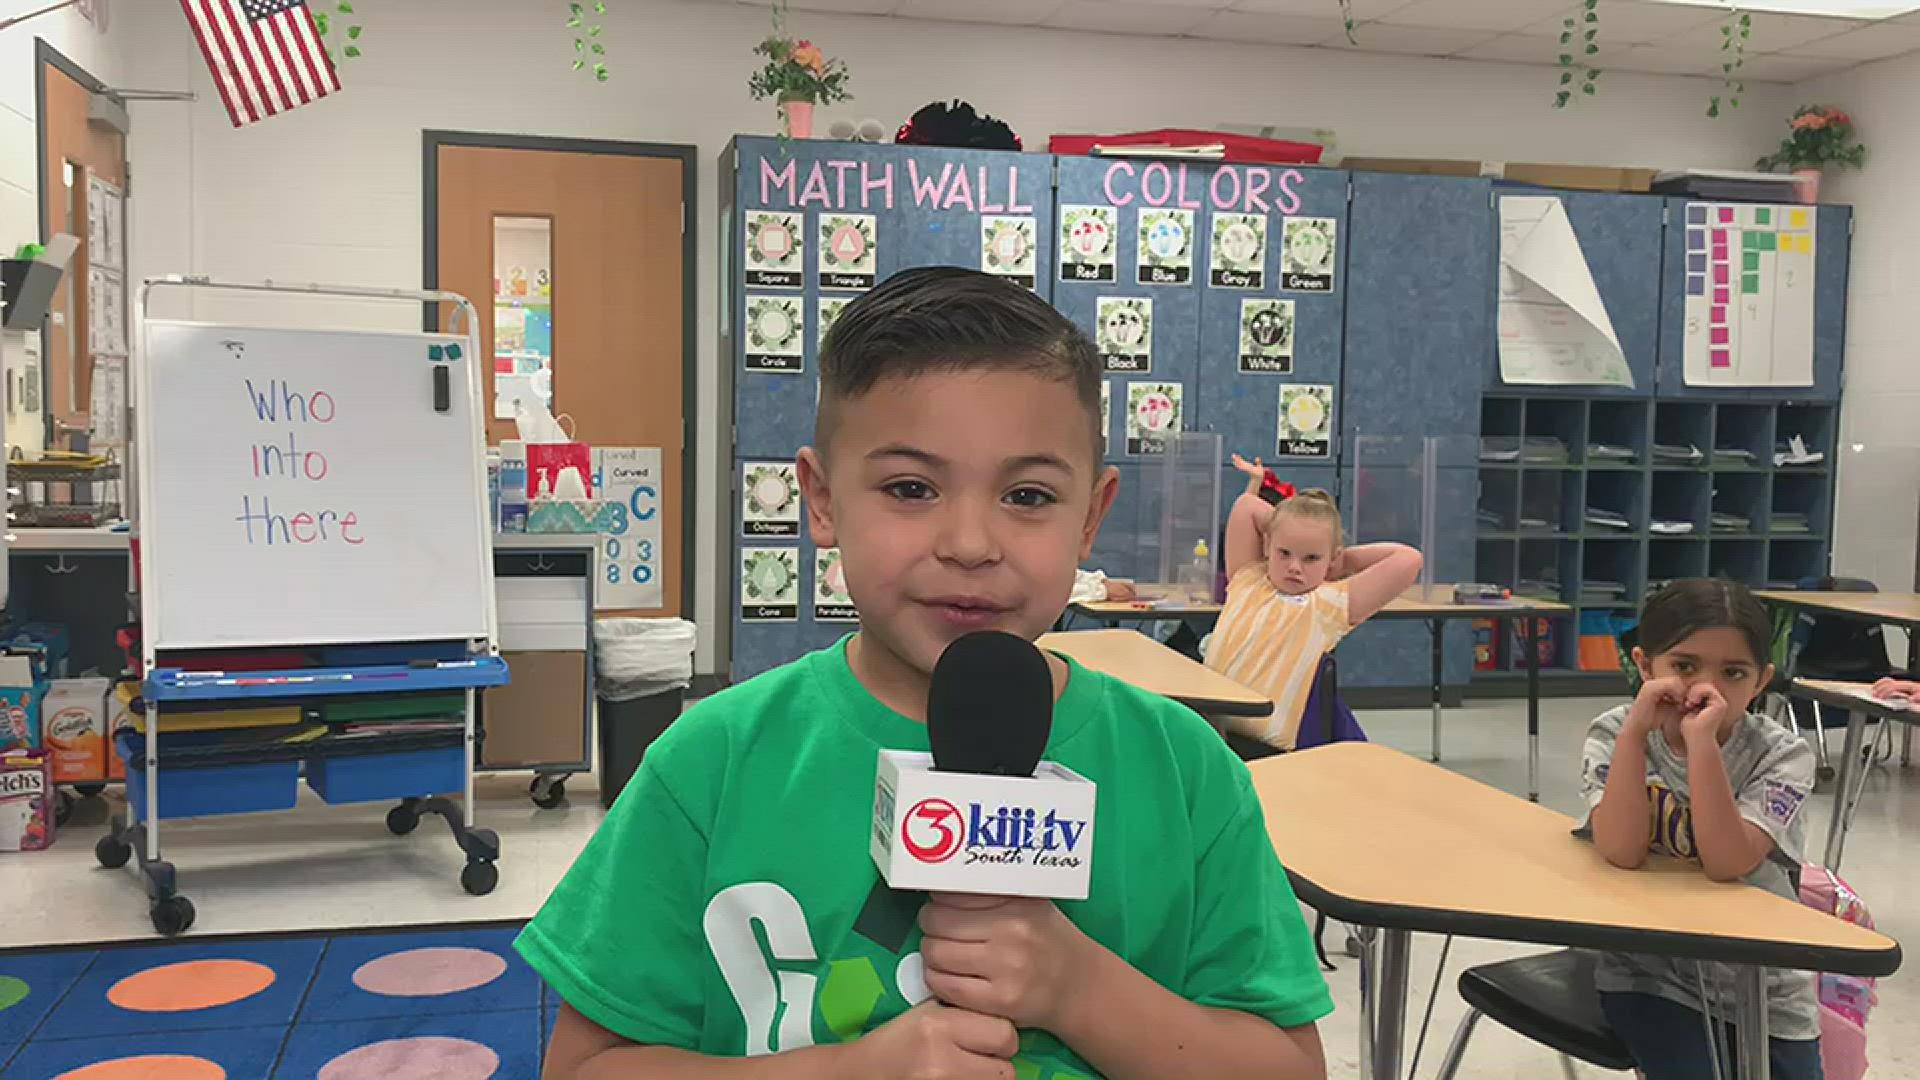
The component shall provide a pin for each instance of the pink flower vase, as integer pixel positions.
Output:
(1806, 185)
(798, 115)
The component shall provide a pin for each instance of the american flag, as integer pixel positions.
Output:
(265, 55)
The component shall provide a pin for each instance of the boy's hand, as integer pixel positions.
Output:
(932, 1041)
(1891, 687)
(1702, 713)
(1001, 955)
(1659, 702)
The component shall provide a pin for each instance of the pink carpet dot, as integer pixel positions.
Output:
(430, 1057)
(429, 972)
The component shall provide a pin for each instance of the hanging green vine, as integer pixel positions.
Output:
(1346, 20)
(323, 22)
(588, 50)
(1733, 56)
(1577, 53)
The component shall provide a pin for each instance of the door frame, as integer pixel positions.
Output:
(46, 56)
(431, 140)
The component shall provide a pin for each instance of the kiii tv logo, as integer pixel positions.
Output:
(935, 830)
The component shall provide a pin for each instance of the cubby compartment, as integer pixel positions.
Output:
(1801, 507)
(1496, 562)
(1682, 434)
(1498, 508)
(1501, 422)
(1742, 438)
(1670, 560)
(1814, 425)
(1740, 505)
(1790, 562)
(1616, 435)
(1556, 433)
(1558, 642)
(1610, 574)
(1738, 560)
(1615, 504)
(1679, 499)
(1549, 503)
(1548, 569)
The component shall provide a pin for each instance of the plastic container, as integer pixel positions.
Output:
(627, 728)
(374, 777)
(211, 790)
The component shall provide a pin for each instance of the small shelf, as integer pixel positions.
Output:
(1736, 469)
(1614, 466)
(176, 684)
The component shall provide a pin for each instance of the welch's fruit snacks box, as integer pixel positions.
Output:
(26, 800)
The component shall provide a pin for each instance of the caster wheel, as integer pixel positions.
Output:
(479, 878)
(112, 852)
(402, 820)
(88, 791)
(1353, 947)
(172, 915)
(548, 793)
(1825, 772)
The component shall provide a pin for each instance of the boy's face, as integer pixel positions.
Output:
(960, 501)
(1300, 553)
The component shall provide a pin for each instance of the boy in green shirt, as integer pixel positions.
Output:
(709, 928)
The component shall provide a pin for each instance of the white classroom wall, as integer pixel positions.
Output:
(332, 192)
(103, 54)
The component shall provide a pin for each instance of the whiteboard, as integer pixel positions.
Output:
(298, 487)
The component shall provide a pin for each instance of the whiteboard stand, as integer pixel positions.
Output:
(396, 610)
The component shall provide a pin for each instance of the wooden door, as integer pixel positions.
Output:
(77, 153)
(612, 226)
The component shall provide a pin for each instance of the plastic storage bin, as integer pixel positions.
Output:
(374, 777)
(203, 791)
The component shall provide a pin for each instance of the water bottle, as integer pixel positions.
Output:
(1197, 579)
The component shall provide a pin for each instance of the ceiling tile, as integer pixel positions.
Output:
(1785, 68)
(1126, 17)
(1633, 22)
(1362, 9)
(1001, 12)
(1268, 29)
(1503, 15)
(1667, 60)
(1769, 33)
(1410, 40)
(1875, 42)
(1516, 49)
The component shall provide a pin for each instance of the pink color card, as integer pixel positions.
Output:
(1722, 358)
(1720, 274)
(1723, 296)
(1726, 215)
(1719, 315)
(1719, 335)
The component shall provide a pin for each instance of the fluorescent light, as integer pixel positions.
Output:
(1866, 10)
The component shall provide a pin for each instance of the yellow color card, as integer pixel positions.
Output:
(1796, 219)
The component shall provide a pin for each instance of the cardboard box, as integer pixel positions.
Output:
(1580, 177)
(26, 801)
(74, 720)
(22, 682)
(1414, 166)
(999, 835)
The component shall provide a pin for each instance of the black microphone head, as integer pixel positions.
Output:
(990, 707)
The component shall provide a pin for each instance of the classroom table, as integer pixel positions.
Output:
(1114, 612)
(1849, 696)
(1382, 840)
(1137, 659)
(1437, 615)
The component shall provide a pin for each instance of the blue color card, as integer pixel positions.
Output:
(336, 995)
(1697, 263)
(420, 1045)
(1696, 239)
(34, 983)
(1696, 215)
(86, 1011)
(244, 1053)
(1696, 285)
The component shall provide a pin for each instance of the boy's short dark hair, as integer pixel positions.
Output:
(1689, 605)
(948, 319)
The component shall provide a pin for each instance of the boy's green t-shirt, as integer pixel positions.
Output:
(713, 910)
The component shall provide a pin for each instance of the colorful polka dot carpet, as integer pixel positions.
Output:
(424, 1004)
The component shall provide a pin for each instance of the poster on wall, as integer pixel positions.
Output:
(775, 335)
(825, 312)
(776, 249)
(1089, 243)
(1124, 334)
(1153, 413)
(1554, 330)
(1749, 295)
(631, 550)
(1307, 247)
(1007, 247)
(769, 584)
(106, 313)
(1266, 337)
(107, 411)
(831, 600)
(769, 499)
(1306, 421)
(1166, 248)
(849, 246)
(1237, 259)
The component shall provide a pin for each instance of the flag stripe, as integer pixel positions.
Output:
(292, 67)
(310, 33)
(297, 29)
(273, 64)
(200, 34)
(218, 31)
(240, 27)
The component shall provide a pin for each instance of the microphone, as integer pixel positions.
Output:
(989, 711)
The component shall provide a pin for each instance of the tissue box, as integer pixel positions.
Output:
(572, 516)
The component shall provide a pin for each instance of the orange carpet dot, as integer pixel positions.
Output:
(149, 1067)
(190, 985)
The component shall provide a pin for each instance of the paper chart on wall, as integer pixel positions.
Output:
(1124, 334)
(831, 600)
(776, 249)
(1089, 239)
(769, 584)
(1554, 328)
(1750, 275)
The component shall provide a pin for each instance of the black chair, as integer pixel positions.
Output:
(1832, 647)
(1549, 999)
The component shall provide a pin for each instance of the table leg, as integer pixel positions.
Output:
(1533, 708)
(1843, 795)
(1390, 1023)
(1439, 661)
(1750, 1022)
(1368, 939)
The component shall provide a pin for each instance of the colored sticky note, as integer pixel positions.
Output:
(1719, 315)
(1751, 261)
(1696, 240)
(1696, 215)
(1796, 219)
(1763, 215)
(1726, 215)
(1722, 296)
(1696, 285)
(1750, 241)
(1771, 242)
(1749, 284)
(1720, 358)
(1720, 274)
(1719, 238)
(1697, 264)
(1719, 335)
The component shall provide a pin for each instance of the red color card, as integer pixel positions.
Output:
(1719, 335)
(1723, 296)
(1719, 315)
(1721, 358)
(1720, 274)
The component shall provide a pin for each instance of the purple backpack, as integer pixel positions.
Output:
(1326, 719)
